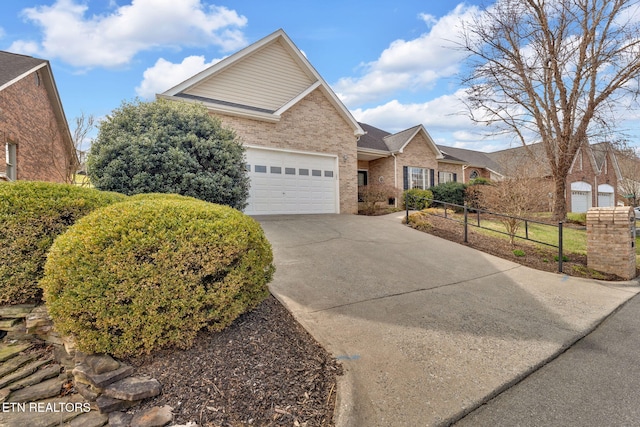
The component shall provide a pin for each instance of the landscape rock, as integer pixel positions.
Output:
(22, 372)
(84, 374)
(101, 363)
(87, 391)
(133, 388)
(120, 419)
(8, 351)
(17, 311)
(13, 364)
(89, 419)
(108, 404)
(43, 390)
(158, 416)
(48, 415)
(37, 377)
(8, 324)
(38, 321)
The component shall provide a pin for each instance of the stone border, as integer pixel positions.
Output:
(101, 382)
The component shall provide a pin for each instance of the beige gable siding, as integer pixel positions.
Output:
(312, 125)
(266, 79)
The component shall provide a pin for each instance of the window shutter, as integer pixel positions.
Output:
(405, 177)
(432, 173)
(455, 177)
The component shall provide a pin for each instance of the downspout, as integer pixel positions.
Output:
(395, 176)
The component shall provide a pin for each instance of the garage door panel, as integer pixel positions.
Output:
(283, 182)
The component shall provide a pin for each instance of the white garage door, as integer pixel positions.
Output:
(580, 197)
(605, 195)
(291, 183)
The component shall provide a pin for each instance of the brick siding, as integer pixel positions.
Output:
(312, 125)
(27, 119)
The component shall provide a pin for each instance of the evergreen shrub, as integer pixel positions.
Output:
(32, 214)
(151, 272)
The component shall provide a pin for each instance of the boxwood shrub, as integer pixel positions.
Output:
(32, 214)
(418, 199)
(151, 272)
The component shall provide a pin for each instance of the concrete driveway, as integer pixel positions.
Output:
(426, 329)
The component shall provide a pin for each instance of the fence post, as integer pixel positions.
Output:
(526, 229)
(560, 247)
(466, 240)
(406, 204)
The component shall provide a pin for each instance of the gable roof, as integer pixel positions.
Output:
(15, 67)
(470, 157)
(379, 140)
(261, 81)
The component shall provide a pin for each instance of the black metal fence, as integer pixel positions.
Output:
(473, 217)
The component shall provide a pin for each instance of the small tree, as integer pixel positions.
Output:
(169, 147)
(371, 195)
(513, 196)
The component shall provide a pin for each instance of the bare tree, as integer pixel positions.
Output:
(553, 71)
(85, 124)
(629, 163)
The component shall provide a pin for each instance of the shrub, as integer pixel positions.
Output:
(418, 199)
(519, 252)
(450, 192)
(169, 147)
(153, 271)
(32, 214)
(372, 194)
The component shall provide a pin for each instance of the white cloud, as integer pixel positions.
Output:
(164, 74)
(410, 65)
(445, 118)
(112, 40)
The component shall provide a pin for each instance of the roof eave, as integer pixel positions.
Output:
(226, 109)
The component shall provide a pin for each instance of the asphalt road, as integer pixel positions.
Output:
(594, 383)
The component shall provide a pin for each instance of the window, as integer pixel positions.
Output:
(11, 161)
(328, 174)
(474, 174)
(303, 172)
(290, 171)
(444, 177)
(276, 169)
(418, 178)
(260, 169)
(315, 172)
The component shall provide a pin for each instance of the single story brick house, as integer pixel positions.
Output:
(35, 140)
(305, 152)
(301, 141)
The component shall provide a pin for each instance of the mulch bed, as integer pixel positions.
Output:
(263, 370)
(544, 259)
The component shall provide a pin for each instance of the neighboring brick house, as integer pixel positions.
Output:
(300, 139)
(34, 135)
(404, 160)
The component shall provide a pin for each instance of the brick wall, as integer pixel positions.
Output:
(27, 118)
(610, 245)
(416, 154)
(312, 125)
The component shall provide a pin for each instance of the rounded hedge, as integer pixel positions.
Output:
(32, 214)
(151, 272)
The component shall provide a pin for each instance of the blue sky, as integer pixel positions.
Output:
(390, 62)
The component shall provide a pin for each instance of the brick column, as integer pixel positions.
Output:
(611, 241)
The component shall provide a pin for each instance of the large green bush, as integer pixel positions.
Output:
(450, 192)
(418, 198)
(169, 147)
(32, 214)
(151, 272)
